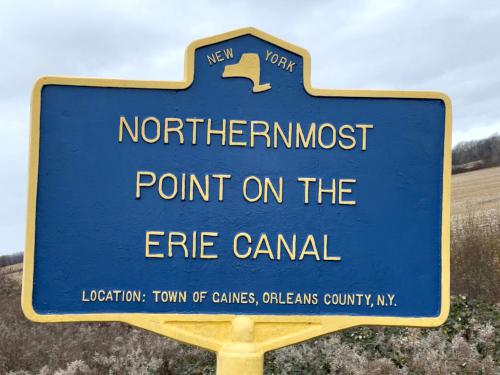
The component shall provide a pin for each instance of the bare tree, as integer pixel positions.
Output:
(483, 153)
(7, 260)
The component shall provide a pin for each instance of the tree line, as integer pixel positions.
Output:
(7, 260)
(471, 155)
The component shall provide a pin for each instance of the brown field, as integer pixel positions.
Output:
(476, 193)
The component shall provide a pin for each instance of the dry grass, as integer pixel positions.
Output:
(475, 258)
(475, 234)
(94, 349)
(13, 272)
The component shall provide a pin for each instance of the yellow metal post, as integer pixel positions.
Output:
(241, 356)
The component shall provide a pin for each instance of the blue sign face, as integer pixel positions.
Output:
(240, 191)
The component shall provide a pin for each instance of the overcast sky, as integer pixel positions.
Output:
(450, 46)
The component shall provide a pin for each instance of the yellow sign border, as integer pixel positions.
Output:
(213, 331)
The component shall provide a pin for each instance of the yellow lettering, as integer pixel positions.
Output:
(247, 237)
(266, 250)
(268, 186)
(149, 243)
(181, 243)
(259, 186)
(291, 252)
(325, 250)
(314, 251)
(139, 184)
(233, 131)
(278, 130)
(160, 186)
(262, 133)
(221, 178)
(193, 181)
(221, 132)
(320, 136)
(343, 190)
(177, 129)
(322, 190)
(149, 120)
(311, 136)
(363, 128)
(194, 122)
(204, 244)
(133, 135)
(347, 136)
(306, 181)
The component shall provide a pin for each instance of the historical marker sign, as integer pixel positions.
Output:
(242, 191)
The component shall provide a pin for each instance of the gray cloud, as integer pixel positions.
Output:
(449, 46)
